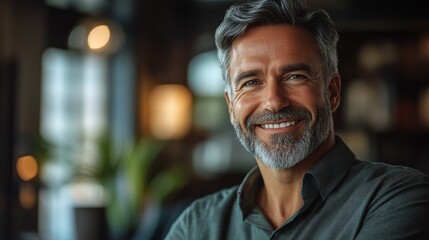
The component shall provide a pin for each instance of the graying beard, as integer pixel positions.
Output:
(277, 156)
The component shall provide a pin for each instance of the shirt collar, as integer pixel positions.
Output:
(249, 189)
(331, 169)
(326, 174)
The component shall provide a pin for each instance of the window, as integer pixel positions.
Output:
(73, 114)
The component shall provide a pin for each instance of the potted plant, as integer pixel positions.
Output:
(130, 181)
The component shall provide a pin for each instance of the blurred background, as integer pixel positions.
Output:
(113, 117)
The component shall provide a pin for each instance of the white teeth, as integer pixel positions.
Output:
(278, 125)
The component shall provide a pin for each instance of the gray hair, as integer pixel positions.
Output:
(240, 17)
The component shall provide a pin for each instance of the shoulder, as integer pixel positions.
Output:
(388, 172)
(387, 181)
(396, 200)
(214, 202)
(204, 215)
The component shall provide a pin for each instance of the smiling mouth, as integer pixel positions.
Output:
(278, 125)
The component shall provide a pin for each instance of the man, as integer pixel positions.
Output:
(282, 86)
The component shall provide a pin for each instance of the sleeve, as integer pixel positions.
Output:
(400, 211)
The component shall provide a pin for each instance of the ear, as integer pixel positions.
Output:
(230, 109)
(335, 92)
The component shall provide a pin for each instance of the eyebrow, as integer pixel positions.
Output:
(284, 69)
(297, 67)
(242, 75)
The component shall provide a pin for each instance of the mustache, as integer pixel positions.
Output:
(285, 113)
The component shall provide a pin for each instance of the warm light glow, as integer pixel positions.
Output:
(99, 37)
(170, 111)
(27, 167)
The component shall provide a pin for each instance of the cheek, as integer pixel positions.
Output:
(311, 99)
(322, 104)
(243, 108)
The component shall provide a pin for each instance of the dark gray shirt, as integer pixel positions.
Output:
(344, 198)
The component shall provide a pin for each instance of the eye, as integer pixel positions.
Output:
(296, 78)
(249, 83)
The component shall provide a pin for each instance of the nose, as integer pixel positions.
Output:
(275, 97)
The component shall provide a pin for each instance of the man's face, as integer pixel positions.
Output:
(280, 105)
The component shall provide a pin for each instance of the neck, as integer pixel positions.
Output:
(281, 195)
